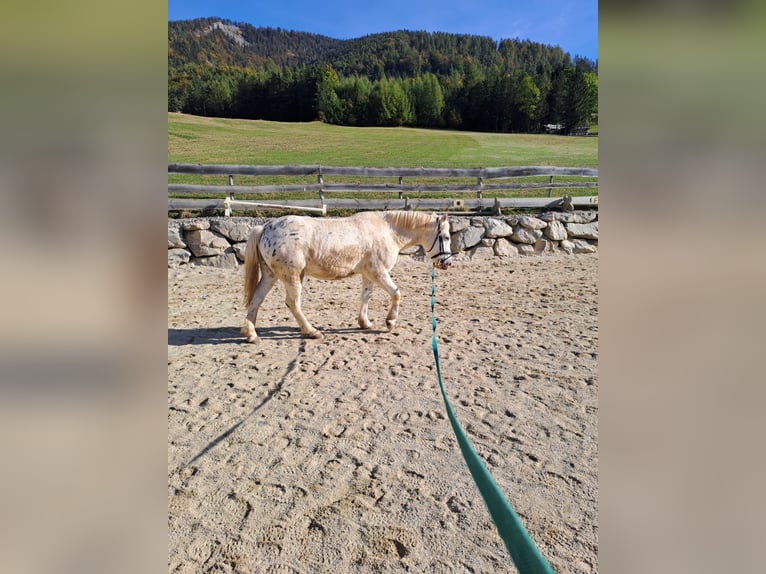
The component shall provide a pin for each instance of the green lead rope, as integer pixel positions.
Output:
(525, 555)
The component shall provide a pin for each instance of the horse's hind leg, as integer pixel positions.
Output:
(388, 285)
(267, 282)
(293, 290)
(367, 287)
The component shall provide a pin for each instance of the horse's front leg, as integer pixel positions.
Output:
(367, 287)
(388, 285)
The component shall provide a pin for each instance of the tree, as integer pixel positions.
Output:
(428, 101)
(581, 99)
(454, 95)
(558, 96)
(501, 110)
(389, 104)
(354, 94)
(591, 80)
(329, 107)
(211, 93)
(475, 100)
(526, 99)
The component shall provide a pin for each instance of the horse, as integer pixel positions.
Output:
(367, 243)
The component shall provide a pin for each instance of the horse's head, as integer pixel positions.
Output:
(440, 250)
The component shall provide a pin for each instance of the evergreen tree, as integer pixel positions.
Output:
(389, 104)
(581, 100)
(354, 94)
(329, 108)
(428, 101)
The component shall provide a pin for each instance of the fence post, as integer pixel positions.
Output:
(227, 205)
(480, 183)
(550, 189)
(400, 183)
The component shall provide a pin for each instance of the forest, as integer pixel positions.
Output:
(405, 78)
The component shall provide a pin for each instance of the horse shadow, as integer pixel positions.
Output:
(274, 391)
(229, 335)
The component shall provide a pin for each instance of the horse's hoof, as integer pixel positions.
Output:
(249, 334)
(313, 335)
(365, 324)
(390, 324)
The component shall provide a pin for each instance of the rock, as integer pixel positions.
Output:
(196, 225)
(477, 221)
(178, 257)
(543, 246)
(231, 229)
(174, 238)
(504, 248)
(583, 230)
(481, 252)
(573, 217)
(583, 217)
(525, 235)
(496, 228)
(467, 238)
(239, 250)
(532, 222)
(525, 249)
(458, 224)
(549, 216)
(487, 242)
(204, 243)
(561, 204)
(582, 246)
(224, 260)
(555, 231)
(567, 246)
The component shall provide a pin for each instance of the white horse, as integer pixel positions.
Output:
(367, 243)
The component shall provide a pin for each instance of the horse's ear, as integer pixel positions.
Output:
(442, 218)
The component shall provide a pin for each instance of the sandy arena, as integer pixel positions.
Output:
(335, 455)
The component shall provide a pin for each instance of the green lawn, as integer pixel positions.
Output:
(193, 139)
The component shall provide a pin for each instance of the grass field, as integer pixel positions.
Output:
(193, 139)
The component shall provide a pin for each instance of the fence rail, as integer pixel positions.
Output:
(503, 175)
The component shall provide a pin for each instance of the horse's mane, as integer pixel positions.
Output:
(409, 219)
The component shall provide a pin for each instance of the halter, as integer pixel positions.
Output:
(442, 252)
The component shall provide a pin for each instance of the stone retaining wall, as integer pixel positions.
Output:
(220, 241)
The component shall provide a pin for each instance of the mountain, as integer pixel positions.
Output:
(215, 41)
(403, 78)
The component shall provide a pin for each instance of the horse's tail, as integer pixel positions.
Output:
(252, 264)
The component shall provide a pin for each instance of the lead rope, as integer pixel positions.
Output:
(525, 555)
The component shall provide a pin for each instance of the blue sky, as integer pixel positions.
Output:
(570, 24)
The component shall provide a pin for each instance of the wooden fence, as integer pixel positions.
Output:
(485, 178)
